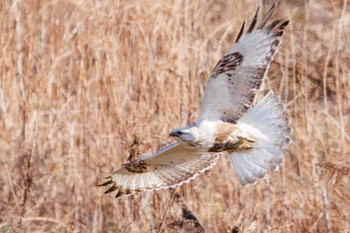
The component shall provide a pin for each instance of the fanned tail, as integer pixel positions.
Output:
(268, 124)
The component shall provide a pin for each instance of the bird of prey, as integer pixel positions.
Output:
(254, 136)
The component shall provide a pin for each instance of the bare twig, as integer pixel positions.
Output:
(166, 210)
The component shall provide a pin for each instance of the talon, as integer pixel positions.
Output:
(245, 146)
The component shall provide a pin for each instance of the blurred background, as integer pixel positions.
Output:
(87, 85)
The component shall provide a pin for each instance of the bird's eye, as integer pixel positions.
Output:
(180, 133)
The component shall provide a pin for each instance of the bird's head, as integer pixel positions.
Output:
(186, 135)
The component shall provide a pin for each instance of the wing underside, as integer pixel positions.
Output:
(170, 167)
(232, 86)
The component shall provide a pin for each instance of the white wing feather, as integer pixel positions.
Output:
(169, 167)
(232, 85)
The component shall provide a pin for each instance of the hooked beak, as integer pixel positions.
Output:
(175, 134)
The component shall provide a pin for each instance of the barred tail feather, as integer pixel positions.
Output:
(268, 124)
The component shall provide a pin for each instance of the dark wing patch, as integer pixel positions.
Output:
(227, 65)
(136, 167)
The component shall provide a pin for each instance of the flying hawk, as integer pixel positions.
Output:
(255, 137)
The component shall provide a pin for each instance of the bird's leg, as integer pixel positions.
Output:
(245, 144)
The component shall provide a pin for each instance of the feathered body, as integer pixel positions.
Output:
(213, 136)
(255, 137)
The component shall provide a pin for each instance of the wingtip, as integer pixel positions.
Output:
(111, 189)
(240, 32)
(255, 19)
(105, 183)
(267, 16)
(263, 22)
(283, 25)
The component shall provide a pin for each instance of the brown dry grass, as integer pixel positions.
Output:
(85, 83)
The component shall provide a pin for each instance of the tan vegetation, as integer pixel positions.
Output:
(86, 84)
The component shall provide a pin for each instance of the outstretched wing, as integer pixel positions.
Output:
(169, 167)
(232, 85)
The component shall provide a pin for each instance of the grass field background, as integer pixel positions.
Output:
(85, 85)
